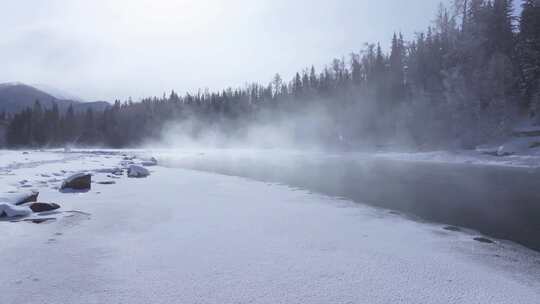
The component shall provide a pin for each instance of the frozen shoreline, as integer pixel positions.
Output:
(459, 157)
(466, 158)
(498, 200)
(187, 236)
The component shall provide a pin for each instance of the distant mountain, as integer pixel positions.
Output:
(15, 97)
(57, 93)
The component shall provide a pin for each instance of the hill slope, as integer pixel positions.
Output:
(15, 97)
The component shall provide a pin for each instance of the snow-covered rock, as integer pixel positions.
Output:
(519, 145)
(18, 198)
(149, 162)
(137, 171)
(10, 210)
(77, 181)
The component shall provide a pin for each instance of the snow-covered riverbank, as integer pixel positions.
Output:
(182, 236)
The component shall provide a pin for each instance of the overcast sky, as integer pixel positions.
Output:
(106, 49)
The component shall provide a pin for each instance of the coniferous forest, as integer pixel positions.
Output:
(464, 81)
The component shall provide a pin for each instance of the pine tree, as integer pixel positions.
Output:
(397, 77)
(69, 126)
(277, 85)
(313, 81)
(297, 85)
(356, 69)
(38, 124)
(529, 53)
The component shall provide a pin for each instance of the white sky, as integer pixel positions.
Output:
(103, 49)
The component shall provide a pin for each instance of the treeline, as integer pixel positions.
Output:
(464, 81)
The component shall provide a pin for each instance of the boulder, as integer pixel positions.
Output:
(43, 207)
(137, 171)
(79, 181)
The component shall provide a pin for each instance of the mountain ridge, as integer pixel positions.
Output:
(17, 96)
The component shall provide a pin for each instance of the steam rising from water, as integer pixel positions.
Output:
(311, 129)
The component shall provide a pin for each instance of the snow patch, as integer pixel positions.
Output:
(10, 210)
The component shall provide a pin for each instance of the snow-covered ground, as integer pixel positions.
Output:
(14, 159)
(181, 236)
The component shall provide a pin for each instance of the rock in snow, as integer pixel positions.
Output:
(137, 171)
(19, 198)
(518, 145)
(107, 183)
(150, 162)
(10, 210)
(77, 181)
(43, 207)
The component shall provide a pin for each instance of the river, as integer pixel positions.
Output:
(500, 201)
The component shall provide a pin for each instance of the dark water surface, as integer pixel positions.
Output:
(500, 201)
